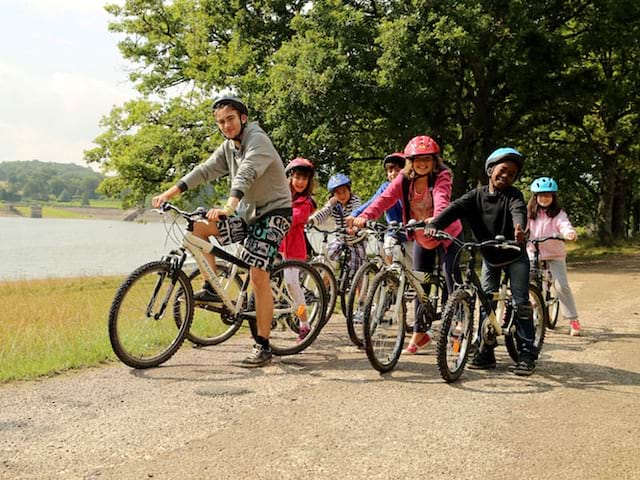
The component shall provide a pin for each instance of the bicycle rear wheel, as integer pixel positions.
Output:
(212, 325)
(287, 313)
(356, 300)
(142, 328)
(384, 321)
(539, 313)
(456, 335)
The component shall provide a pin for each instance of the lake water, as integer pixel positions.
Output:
(46, 248)
(41, 248)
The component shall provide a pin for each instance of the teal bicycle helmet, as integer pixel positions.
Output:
(544, 185)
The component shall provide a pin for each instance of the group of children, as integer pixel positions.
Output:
(269, 205)
(418, 187)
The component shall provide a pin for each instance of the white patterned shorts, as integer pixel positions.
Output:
(261, 239)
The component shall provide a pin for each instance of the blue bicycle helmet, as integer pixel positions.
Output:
(502, 155)
(544, 185)
(338, 180)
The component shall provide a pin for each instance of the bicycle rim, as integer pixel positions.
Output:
(383, 323)
(357, 299)
(142, 334)
(456, 335)
(553, 307)
(288, 312)
(331, 287)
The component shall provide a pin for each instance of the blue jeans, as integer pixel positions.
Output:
(518, 274)
(423, 261)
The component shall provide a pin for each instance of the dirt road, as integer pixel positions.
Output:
(328, 414)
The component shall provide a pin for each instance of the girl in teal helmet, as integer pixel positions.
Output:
(547, 218)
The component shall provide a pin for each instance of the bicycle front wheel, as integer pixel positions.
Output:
(539, 314)
(383, 322)
(291, 312)
(143, 330)
(553, 305)
(356, 300)
(456, 335)
(330, 284)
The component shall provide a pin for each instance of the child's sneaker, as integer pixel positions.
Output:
(259, 357)
(302, 333)
(413, 348)
(525, 367)
(575, 328)
(483, 360)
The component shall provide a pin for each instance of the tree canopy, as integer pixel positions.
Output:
(346, 82)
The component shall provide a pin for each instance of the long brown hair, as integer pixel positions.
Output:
(552, 210)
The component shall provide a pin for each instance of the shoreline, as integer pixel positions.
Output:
(91, 213)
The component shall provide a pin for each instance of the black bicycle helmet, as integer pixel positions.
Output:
(232, 100)
(395, 159)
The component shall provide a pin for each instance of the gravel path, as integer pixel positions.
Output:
(327, 414)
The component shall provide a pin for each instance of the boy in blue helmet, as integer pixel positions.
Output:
(341, 204)
(499, 209)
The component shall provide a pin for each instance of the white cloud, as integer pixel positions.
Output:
(53, 117)
(62, 6)
(60, 73)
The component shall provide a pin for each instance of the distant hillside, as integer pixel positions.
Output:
(36, 180)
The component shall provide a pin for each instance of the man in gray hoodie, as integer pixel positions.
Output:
(261, 195)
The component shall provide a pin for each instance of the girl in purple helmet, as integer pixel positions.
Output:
(547, 218)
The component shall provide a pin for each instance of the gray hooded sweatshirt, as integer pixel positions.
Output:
(256, 170)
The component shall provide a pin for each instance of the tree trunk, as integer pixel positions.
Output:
(605, 203)
(619, 210)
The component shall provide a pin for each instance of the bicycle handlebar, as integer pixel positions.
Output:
(544, 239)
(499, 242)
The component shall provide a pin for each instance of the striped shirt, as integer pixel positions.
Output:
(338, 211)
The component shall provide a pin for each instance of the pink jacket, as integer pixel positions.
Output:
(293, 245)
(544, 226)
(398, 190)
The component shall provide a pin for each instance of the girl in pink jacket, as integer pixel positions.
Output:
(546, 218)
(294, 246)
(424, 187)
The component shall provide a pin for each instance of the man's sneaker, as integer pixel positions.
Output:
(413, 348)
(357, 317)
(483, 360)
(259, 357)
(525, 367)
(207, 295)
(575, 328)
(302, 333)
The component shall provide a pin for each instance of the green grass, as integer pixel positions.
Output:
(590, 248)
(53, 212)
(47, 326)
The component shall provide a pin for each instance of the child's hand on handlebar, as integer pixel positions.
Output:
(519, 234)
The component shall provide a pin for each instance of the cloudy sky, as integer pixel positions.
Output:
(60, 72)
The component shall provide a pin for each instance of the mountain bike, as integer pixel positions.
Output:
(385, 309)
(540, 275)
(153, 310)
(456, 328)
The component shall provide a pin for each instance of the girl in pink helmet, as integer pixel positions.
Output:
(424, 187)
(300, 172)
